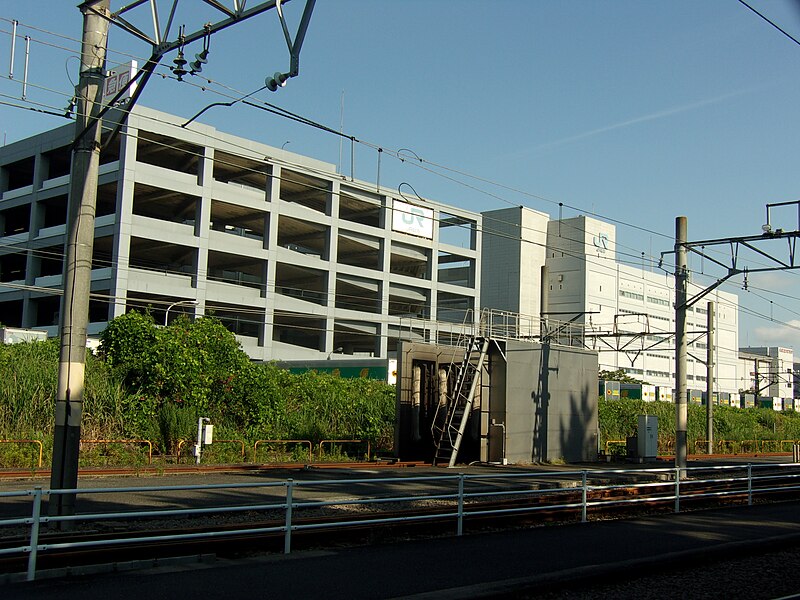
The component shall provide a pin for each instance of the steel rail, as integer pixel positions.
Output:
(462, 504)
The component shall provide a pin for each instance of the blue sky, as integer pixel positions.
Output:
(633, 110)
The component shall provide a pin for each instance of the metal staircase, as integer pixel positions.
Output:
(450, 420)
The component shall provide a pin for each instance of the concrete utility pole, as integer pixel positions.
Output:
(78, 256)
(737, 246)
(710, 379)
(83, 191)
(681, 400)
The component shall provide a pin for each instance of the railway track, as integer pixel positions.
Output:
(265, 531)
(232, 468)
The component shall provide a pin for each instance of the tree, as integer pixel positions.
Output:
(175, 373)
(618, 375)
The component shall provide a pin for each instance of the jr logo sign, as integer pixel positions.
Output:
(600, 242)
(411, 219)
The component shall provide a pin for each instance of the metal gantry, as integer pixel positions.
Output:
(743, 250)
(84, 171)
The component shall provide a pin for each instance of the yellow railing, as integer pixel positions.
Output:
(37, 442)
(749, 446)
(145, 442)
(284, 442)
(617, 442)
(731, 446)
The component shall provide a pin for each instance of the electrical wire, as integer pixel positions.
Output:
(303, 183)
(288, 114)
(776, 26)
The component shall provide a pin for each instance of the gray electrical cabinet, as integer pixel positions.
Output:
(648, 437)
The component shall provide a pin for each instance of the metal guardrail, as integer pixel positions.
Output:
(37, 442)
(241, 443)
(459, 495)
(723, 446)
(616, 443)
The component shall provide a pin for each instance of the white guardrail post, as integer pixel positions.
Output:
(287, 537)
(35, 517)
(584, 496)
(749, 484)
(460, 527)
(677, 489)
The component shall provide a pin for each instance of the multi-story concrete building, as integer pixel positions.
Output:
(625, 311)
(630, 310)
(297, 260)
(767, 371)
(304, 263)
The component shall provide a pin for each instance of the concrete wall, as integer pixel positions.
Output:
(546, 396)
(514, 245)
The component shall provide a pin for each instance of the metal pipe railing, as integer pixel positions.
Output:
(36, 442)
(458, 494)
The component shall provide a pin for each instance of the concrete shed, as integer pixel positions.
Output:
(533, 402)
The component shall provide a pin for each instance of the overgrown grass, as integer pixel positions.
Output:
(619, 419)
(261, 402)
(257, 402)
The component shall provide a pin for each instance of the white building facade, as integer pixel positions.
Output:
(767, 371)
(625, 311)
(297, 260)
(628, 311)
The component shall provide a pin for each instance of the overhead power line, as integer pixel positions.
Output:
(775, 25)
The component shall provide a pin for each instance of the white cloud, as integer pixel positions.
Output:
(661, 114)
(776, 335)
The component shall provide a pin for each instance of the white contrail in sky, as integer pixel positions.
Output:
(644, 118)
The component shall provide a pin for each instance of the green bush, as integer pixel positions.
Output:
(153, 383)
(618, 419)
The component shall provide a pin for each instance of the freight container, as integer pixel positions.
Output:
(632, 391)
(649, 393)
(609, 389)
(747, 400)
(663, 394)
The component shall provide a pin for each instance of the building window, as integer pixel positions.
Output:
(664, 374)
(631, 295)
(660, 301)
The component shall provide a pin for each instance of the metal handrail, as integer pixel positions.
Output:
(618, 442)
(39, 443)
(457, 491)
